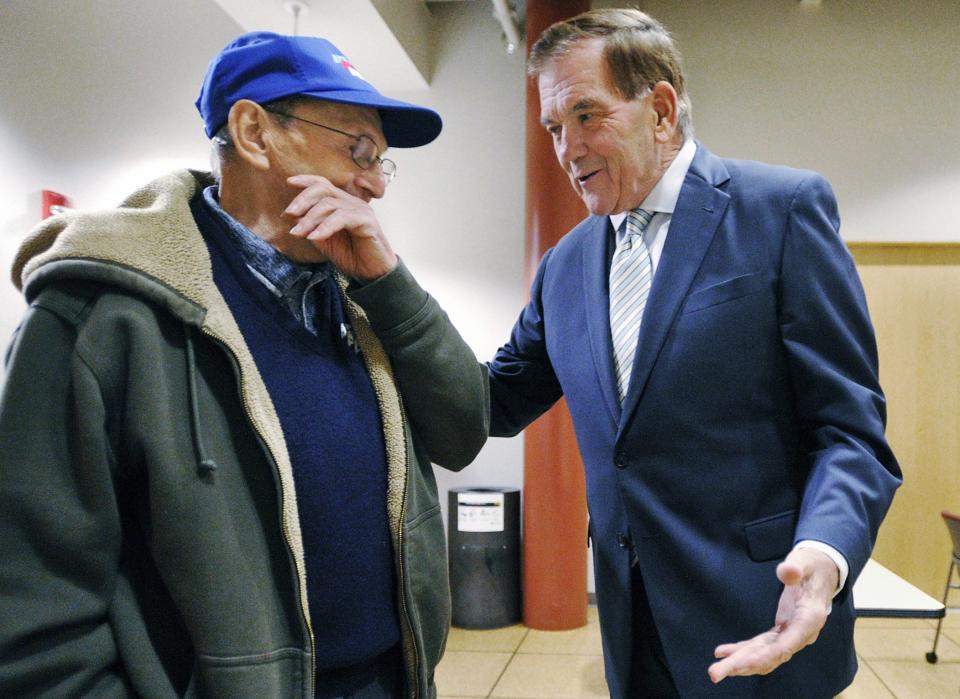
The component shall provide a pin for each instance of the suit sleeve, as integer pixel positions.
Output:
(832, 356)
(523, 384)
(59, 523)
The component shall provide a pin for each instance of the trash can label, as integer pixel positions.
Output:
(480, 512)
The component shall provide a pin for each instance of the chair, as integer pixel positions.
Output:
(953, 526)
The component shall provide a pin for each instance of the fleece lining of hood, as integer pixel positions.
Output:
(151, 245)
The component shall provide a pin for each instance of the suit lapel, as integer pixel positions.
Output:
(695, 219)
(594, 275)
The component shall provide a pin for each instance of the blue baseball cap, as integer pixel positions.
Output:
(263, 66)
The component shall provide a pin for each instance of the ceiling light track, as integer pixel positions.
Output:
(296, 8)
(505, 13)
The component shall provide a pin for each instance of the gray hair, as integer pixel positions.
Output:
(638, 50)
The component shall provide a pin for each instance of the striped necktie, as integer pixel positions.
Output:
(630, 277)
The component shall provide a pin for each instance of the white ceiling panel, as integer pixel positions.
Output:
(389, 41)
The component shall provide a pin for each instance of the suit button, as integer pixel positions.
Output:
(619, 464)
(623, 540)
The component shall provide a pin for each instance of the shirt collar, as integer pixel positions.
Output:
(663, 197)
(278, 272)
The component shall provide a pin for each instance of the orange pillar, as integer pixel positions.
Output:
(554, 502)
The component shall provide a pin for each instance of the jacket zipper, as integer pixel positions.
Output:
(409, 641)
(412, 664)
(283, 522)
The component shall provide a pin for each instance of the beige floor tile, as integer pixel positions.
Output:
(866, 685)
(469, 674)
(592, 614)
(892, 623)
(952, 618)
(505, 640)
(582, 641)
(903, 644)
(553, 677)
(952, 634)
(919, 680)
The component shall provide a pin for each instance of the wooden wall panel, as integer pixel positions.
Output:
(913, 291)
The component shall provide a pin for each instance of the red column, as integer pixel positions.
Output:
(554, 502)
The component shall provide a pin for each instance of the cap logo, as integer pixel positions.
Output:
(347, 65)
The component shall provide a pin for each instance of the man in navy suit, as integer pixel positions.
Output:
(736, 465)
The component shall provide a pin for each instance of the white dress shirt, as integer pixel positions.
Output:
(662, 200)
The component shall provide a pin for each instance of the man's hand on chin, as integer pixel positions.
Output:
(341, 226)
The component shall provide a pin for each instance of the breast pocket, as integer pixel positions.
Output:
(725, 291)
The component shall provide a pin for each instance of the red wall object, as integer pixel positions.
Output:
(50, 199)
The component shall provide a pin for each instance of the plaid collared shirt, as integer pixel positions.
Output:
(299, 287)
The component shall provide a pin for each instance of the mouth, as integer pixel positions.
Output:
(582, 179)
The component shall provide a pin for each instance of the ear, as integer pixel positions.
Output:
(666, 105)
(250, 130)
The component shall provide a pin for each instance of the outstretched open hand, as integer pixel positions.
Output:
(810, 580)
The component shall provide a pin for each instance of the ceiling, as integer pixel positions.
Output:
(392, 41)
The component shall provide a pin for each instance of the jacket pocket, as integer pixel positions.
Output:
(771, 537)
(278, 673)
(728, 290)
(428, 587)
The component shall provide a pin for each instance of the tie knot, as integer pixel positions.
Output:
(637, 221)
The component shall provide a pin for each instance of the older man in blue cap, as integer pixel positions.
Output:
(221, 411)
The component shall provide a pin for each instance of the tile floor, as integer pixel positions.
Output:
(520, 663)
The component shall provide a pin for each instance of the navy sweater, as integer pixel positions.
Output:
(331, 423)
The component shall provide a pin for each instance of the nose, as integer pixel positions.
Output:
(372, 182)
(569, 146)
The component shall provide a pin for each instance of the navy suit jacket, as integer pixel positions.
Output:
(754, 418)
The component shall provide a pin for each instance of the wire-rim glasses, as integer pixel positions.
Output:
(363, 152)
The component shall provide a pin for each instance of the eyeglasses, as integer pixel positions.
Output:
(363, 151)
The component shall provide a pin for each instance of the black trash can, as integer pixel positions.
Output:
(484, 547)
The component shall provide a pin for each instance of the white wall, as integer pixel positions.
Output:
(456, 210)
(95, 99)
(863, 92)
